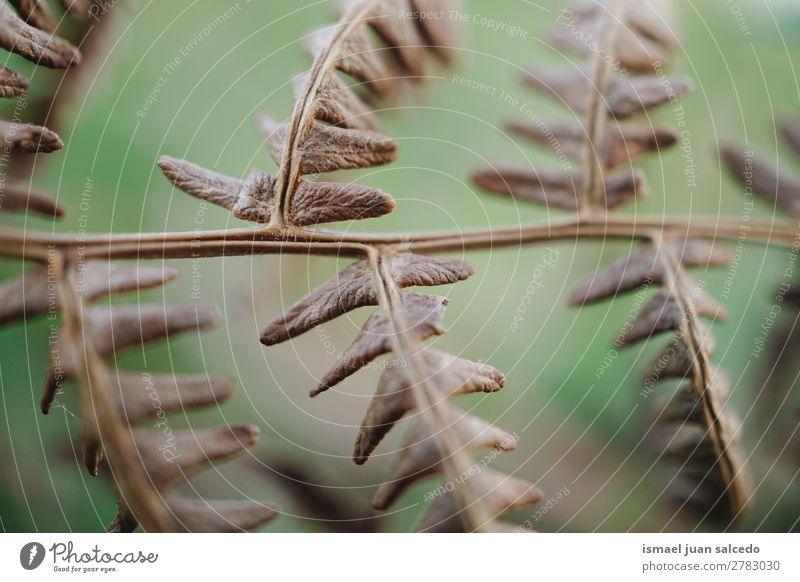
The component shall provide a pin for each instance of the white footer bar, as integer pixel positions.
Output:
(402, 557)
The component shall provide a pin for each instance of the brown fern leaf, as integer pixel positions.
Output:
(32, 39)
(449, 375)
(355, 287)
(371, 53)
(415, 379)
(680, 404)
(623, 97)
(332, 129)
(356, 56)
(705, 456)
(28, 296)
(111, 401)
(143, 396)
(168, 459)
(420, 456)
(314, 202)
(19, 197)
(664, 313)
(33, 44)
(402, 35)
(502, 493)
(36, 13)
(423, 314)
(440, 35)
(190, 451)
(198, 516)
(444, 447)
(200, 182)
(12, 84)
(676, 360)
(339, 105)
(29, 139)
(317, 495)
(693, 429)
(254, 199)
(115, 328)
(328, 148)
(553, 188)
(641, 267)
(622, 143)
(441, 437)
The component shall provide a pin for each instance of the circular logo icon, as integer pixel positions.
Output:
(31, 555)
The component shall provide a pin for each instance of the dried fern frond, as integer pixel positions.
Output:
(168, 464)
(115, 328)
(601, 96)
(48, 36)
(30, 35)
(112, 403)
(332, 128)
(636, 38)
(696, 430)
(416, 380)
(442, 437)
(120, 400)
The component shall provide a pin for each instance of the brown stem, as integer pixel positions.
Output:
(103, 427)
(455, 461)
(675, 279)
(241, 242)
(304, 110)
(597, 114)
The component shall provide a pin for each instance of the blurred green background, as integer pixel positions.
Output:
(578, 433)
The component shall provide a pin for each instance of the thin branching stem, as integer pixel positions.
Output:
(454, 459)
(103, 426)
(597, 113)
(15, 243)
(702, 377)
(304, 111)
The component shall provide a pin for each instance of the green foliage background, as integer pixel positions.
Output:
(576, 431)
